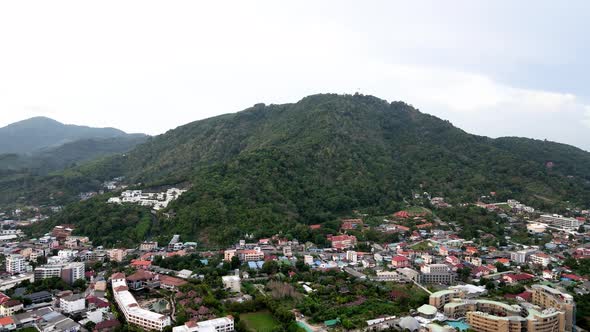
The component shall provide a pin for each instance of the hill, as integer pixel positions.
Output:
(40, 132)
(69, 154)
(272, 168)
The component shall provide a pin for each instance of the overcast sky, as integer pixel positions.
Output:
(496, 69)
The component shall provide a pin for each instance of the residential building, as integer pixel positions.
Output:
(148, 246)
(351, 256)
(561, 222)
(69, 272)
(521, 256)
(72, 303)
(540, 259)
(308, 259)
(8, 282)
(400, 261)
(133, 313)
(232, 282)
(17, 264)
(223, 324)
(117, 255)
(341, 242)
(10, 307)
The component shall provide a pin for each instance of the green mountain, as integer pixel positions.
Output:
(278, 167)
(40, 132)
(69, 154)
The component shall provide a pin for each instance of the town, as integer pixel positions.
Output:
(415, 269)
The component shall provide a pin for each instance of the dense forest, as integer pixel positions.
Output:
(269, 167)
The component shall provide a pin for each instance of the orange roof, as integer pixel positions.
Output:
(6, 321)
(137, 262)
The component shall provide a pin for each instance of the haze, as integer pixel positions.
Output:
(497, 69)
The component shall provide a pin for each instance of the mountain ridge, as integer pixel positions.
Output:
(273, 167)
(36, 133)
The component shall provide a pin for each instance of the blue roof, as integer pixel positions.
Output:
(252, 265)
(259, 264)
(205, 261)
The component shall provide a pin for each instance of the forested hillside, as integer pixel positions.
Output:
(269, 167)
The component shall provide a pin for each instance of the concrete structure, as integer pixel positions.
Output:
(224, 324)
(148, 246)
(9, 282)
(133, 313)
(521, 256)
(72, 303)
(10, 307)
(69, 272)
(351, 256)
(548, 297)
(540, 259)
(560, 222)
(117, 255)
(17, 264)
(233, 283)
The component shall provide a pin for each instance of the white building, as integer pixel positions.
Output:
(9, 282)
(133, 313)
(351, 256)
(561, 222)
(540, 259)
(308, 259)
(72, 303)
(69, 272)
(232, 283)
(17, 264)
(521, 256)
(224, 324)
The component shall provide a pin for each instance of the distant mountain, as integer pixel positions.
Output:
(69, 154)
(270, 168)
(37, 133)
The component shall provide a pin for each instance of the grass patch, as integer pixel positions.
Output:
(262, 321)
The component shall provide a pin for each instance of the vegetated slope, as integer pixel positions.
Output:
(40, 132)
(269, 167)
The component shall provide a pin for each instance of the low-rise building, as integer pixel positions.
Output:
(72, 303)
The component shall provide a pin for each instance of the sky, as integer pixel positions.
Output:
(494, 68)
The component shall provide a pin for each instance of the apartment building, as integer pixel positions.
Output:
(133, 313)
(223, 324)
(17, 264)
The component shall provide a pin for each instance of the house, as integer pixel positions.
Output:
(540, 259)
(10, 307)
(515, 278)
(503, 261)
(342, 241)
(7, 324)
(400, 261)
(107, 325)
(453, 260)
(141, 264)
(170, 283)
(350, 224)
(232, 283)
(142, 279)
(72, 303)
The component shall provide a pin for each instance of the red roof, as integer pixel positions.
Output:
(399, 258)
(137, 262)
(315, 226)
(401, 214)
(118, 275)
(107, 324)
(6, 321)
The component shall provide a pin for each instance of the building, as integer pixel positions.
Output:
(400, 261)
(10, 307)
(223, 324)
(9, 282)
(233, 283)
(287, 251)
(133, 313)
(69, 272)
(341, 242)
(560, 222)
(308, 259)
(548, 297)
(148, 246)
(117, 255)
(251, 255)
(436, 274)
(540, 259)
(352, 256)
(175, 243)
(229, 254)
(521, 256)
(72, 303)
(17, 264)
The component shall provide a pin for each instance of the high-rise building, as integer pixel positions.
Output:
(17, 264)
